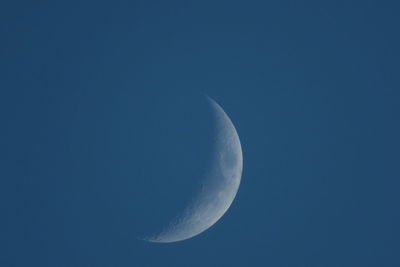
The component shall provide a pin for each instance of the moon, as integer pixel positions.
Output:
(218, 188)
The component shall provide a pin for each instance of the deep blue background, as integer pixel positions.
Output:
(312, 88)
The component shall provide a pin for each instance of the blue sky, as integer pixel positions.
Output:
(95, 99)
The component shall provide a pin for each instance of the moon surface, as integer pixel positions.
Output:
(218, 188)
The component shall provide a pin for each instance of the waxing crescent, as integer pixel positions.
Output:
(218, 188)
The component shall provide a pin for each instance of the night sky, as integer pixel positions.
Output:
(104, 130)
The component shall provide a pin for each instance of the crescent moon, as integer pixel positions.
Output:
(218, 189)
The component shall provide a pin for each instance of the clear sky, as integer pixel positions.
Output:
(96, 99)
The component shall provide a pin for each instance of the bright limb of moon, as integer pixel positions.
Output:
(219, 185)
